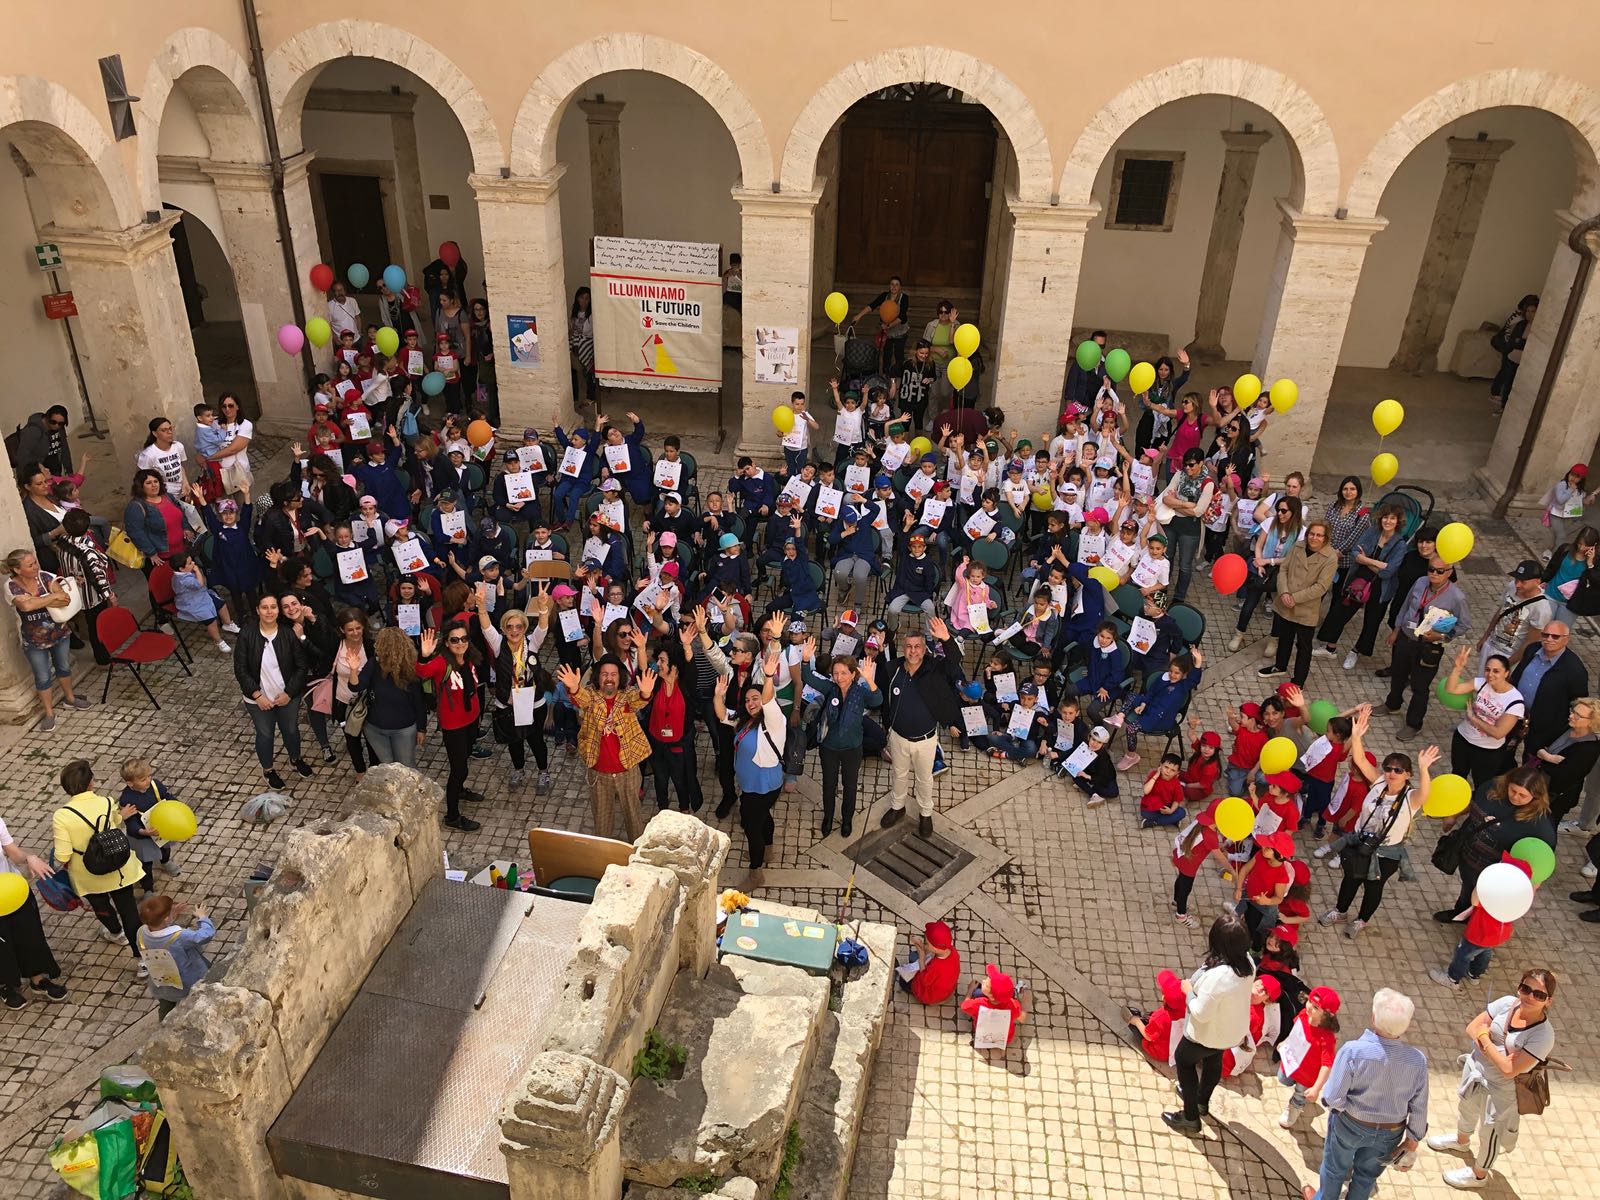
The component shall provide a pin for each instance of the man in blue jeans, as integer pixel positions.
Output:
(1377, 1101)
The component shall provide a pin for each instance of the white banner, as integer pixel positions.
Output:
(657, 314)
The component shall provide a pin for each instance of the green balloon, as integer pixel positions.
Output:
(1321, 711)
(1451, 699)
(1089, 354)
(1118, 364)
(1537, 855)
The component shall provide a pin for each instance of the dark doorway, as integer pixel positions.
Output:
(915, 172)
(357, 233)
(216, 324)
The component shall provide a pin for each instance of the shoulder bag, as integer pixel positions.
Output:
(1451, 849)
(122, 550)
(1533, 1086)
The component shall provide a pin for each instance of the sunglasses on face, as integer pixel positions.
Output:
(1438, 570)
(1283, 512)
(1526, 990)
(1395, 771)
(454, 641)
(1553, 637)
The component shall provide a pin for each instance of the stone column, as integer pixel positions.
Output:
(777, 240)
(522, 268)
(1041, 289)
(605, 163)
(1302, 327)
(1571, 420)
(997, 235)
(307, 250)
(694, 852)
(139, 357)
(561, 1130)
(250, 226)
(1467, 176)
(1243, 150)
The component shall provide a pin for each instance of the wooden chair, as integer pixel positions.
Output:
(562, 859)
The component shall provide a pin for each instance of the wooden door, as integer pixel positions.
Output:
(357, 232)
(914, 194)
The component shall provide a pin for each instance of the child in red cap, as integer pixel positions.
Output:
(997, 991)
(1279, 810)
(1248, 738)
(1160, 1032)
(1264, 882)
(1195, 844)
(1200, 777)
(1476, 947)
(938, 964)
(1295, 910)
(1345, 810)
(1305, 1056)
(1264, 992)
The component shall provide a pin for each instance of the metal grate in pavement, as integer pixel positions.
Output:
(915, 865)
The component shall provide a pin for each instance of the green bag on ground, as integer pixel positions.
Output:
(99, 1157)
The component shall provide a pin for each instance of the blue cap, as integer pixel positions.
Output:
(929, 458)
(727, 540)
(883, 481)
(972, 690)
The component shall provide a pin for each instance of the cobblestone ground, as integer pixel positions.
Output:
(1079, 910)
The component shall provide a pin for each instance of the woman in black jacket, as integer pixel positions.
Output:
(397, 713)
(269, 663)
(319, 638)
(328, 488)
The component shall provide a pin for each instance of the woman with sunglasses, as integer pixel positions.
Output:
(1509, 1038)
(457, 676)
(1478, 746)
(1272, 545)
(1377, 843)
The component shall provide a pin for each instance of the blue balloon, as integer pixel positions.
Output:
(433, 383)
(358, 275)
(394, 277)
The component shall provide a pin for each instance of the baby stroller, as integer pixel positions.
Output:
(1416, 509)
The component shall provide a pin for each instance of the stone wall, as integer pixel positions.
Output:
(229, 1057)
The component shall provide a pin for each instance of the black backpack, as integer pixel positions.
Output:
(108, 847)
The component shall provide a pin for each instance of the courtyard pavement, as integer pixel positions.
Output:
(1077, 906)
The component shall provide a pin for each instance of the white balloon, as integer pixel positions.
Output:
(1505, 892)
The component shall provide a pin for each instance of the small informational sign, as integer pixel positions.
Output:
(523, 334)
(60, 305)
(48, 256)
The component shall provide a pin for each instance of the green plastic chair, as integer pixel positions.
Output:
(1129, 600)
(1191, 622)
(993, 555)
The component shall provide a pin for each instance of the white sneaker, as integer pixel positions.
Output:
(230, 627)
(1327, 650)
(1332, 917)
(1323, 851)
(1355, 928)
(107, 935)
(1589, 870)
(224, 648)
(1466, 1177)
(1288, 1116)
(1236, 641)
(143, 972)
(1095, 801)
(1333, 863)
(1445, 1142)
(1443, 979)
(1350, 661)
(1189, 920)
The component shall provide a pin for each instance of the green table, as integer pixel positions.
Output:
(575, 885)
(808, 945)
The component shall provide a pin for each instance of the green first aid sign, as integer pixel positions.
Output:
(49, 255)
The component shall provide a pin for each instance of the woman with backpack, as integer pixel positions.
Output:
(91, 842)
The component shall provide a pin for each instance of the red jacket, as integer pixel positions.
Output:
(458, 696)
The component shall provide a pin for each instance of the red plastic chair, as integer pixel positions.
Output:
(164, 604)
(119, 633)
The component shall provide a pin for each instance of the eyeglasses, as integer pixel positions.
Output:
(1283, 512)
(1395, 771)
(1438, 570)
(1524, 990)
(1554, 637)
(456, 641)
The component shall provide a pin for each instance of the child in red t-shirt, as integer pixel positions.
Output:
(996, 990)
(1160, 1032)
(1264, 991)
(1305, 1056)
(1295, 910)
(1248, 738)
(1195, 844)
(1476, 947)
(938, 964)
(1162, 803)
(1200, 777)
(1264, 882)
(1279, 811)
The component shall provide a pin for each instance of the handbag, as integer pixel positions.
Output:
(1451, 848)
(1533, 1086)
(122, 550)
(1359, 590)
(62, 613)
(355, 716)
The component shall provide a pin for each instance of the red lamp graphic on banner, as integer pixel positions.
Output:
(659, 362)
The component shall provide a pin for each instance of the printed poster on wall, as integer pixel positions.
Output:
(777, 354)
(523, 333)
(657, 314)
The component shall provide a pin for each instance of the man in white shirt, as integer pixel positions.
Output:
(1521, 617)
(343, 312)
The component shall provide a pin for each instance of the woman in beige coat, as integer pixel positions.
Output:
(1303, 580)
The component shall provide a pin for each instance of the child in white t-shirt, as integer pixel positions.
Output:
(849, 426)
(797, 442)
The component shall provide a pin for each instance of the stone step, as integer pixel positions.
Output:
(750, 1031)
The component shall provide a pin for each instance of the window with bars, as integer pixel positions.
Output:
(1144, 190)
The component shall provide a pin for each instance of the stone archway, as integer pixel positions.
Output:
(922, 64)
(1315, 188)
(293, 66)
(70, 152)
(1577, 105)
(533, 138)
(217, 82)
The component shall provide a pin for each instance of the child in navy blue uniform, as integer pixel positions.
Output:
(1157, 707)
(144, 791)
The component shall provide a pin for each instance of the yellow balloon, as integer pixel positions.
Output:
(960, 372)
(1042, 501)
(1141, 378)
(1386, 416)
(836, 306)
(966, 339)
(1235, 818)
(783, 418)
(1455, 542)
(1105, 577)
(172, 819)
(1283, 395)
(1278, 755)
(921, 446)
(13, 893)
(1384, 468)
(1246, 390)
(319, 331)
(1447, 795)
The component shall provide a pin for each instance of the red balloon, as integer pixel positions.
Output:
(1228, 573)
(450, 254)
(322, 277)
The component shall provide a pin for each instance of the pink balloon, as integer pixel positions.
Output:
(291, 338)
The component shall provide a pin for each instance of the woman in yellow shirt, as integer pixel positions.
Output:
(74, 824)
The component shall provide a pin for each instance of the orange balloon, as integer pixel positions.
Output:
(480, 433)
(889, 312)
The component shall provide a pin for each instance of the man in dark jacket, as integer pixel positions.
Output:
(1550, 676)
(1083, 386)
(919, 699)
(44, 441)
